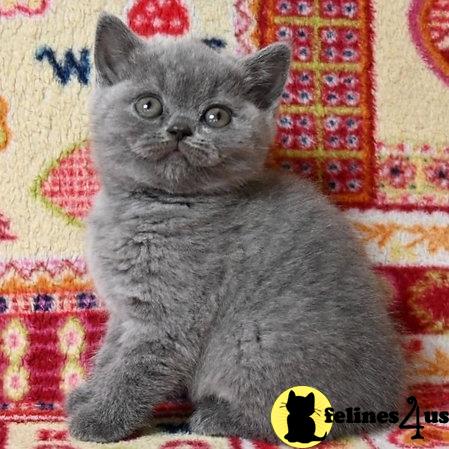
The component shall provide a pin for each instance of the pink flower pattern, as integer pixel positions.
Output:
(397, 172)
(438, 173)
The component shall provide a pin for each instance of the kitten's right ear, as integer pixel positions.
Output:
(114, 43)
(265, 73)
(291, 395)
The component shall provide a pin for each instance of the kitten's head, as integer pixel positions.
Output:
(301, 405)
(177, 116)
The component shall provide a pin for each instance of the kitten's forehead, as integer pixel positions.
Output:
(188, 70)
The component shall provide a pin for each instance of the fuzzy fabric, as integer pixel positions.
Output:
(364, 114)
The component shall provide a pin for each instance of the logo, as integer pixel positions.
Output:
(298, 417)
(302, 417)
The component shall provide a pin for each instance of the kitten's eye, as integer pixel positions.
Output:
(217, 117)
(148, 107)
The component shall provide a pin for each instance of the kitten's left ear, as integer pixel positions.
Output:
(114, 43)
(265, 74)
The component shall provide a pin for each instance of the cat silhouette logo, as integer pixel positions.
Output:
(298, 417)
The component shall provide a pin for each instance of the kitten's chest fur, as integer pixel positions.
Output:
(165, 256)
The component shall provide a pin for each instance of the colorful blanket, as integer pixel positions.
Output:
(364, 114)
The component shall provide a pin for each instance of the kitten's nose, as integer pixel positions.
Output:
(180, 130)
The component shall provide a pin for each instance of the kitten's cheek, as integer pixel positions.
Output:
(199, 157)
(159, 154)
(153, 154)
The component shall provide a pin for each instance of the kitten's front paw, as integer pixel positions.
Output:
(77, 398)
(91, 422)
(206, 421)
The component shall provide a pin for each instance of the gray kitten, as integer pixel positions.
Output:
(223, 279)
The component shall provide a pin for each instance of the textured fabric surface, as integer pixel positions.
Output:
(364, 114)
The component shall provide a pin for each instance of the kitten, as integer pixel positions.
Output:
(222, 278)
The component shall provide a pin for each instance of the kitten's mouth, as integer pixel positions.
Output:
(197, 156)
(175, 154)
(189, 154)
(179, 151)
(170, 150)
(176, 150)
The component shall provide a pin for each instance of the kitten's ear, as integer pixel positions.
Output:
(291, 395)
(311, 397)
(114, 43)
(265, 73)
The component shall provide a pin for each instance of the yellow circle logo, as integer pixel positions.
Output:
(298, 417)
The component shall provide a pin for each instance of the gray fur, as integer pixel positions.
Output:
(222, 278)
